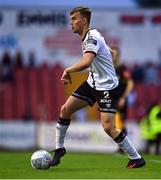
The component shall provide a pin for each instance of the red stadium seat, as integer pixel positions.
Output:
(7, 102)
(20, 92)
(33, 91)
(46, 91)
(58, 96)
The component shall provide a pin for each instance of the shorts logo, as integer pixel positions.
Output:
(106, 98)
(105, 101)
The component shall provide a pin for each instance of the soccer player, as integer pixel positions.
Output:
(125, 86)
(101, 87)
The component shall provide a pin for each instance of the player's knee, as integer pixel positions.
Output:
(64, 111)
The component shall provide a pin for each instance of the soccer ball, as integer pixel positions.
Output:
(41, 159)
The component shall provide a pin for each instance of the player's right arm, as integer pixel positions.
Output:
(81, 65)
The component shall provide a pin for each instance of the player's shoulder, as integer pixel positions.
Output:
(91, 37)
(94, 33)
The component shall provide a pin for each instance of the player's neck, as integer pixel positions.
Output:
(84, 32)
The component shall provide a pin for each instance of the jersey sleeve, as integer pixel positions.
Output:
(92, 45)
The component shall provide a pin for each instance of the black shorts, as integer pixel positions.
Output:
(107, 100)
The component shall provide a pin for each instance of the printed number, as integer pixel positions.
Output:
(106, 94)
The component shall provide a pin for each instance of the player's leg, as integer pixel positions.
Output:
(107, 101)
(108, 123)
(122, 117)
(79, 99)
(72, 105)
(121, 121)
(120, 137)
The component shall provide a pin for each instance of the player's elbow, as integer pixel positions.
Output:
(86, 66)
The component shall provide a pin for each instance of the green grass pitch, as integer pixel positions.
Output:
(16, 165)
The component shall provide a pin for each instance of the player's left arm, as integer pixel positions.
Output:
(81, 65)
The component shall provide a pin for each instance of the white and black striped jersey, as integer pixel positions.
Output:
(102, 74)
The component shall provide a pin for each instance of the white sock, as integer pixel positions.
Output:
(127, 147)
(60, 134)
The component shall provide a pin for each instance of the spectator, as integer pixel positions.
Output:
(159, 57)
(138, 73)
(31, 59)
(18, 60)
(6, 69)
(151, 74)
(151, 128)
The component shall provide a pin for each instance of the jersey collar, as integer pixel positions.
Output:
(86, 34)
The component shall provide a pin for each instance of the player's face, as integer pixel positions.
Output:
(77, 22)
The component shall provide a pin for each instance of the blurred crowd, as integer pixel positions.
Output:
(147, 73)
(9, 63)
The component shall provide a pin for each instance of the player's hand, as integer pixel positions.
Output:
(66, 78)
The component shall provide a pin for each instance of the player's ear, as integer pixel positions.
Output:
(84, 20)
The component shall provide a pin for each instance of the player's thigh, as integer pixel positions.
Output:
(73, 104)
